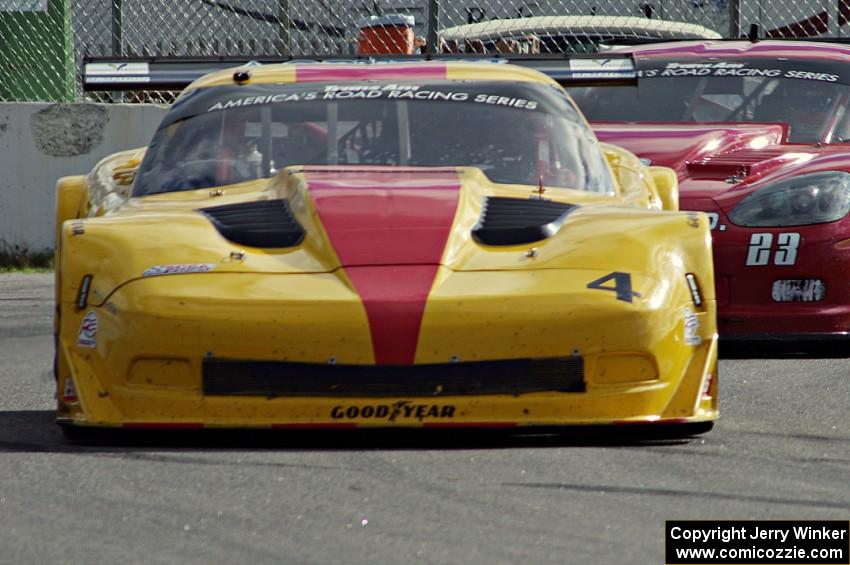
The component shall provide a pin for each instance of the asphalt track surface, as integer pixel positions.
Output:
(780, 451)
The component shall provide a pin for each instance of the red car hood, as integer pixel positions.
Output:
(677, 145)
(721, 159)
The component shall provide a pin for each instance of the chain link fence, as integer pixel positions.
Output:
(42, 42)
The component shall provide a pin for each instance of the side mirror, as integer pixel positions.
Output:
(667, 184)
(631, 176)
(125, 173)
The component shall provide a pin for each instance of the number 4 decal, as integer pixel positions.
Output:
(622, 285)
(762, 243)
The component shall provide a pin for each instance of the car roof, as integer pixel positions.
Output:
(624, 26)
(374, 71)
(734, 49)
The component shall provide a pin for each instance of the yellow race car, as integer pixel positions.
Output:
(427, 244)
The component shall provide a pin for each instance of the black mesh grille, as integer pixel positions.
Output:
(224, 377)
(267, 223)
(514, 221)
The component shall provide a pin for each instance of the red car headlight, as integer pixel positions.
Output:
(815, 198)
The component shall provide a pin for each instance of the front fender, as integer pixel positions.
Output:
(71, 199)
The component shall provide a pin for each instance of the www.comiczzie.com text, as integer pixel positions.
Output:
(757, 542)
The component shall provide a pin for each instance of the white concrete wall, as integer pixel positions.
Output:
(40, 143)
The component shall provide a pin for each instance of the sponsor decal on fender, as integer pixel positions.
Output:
(706, 386)
(180, 269)
(693, 219)
(691, 325)
(88, 330)
(401, 409)
(69, 391)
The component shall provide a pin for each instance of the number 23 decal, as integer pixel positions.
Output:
(761, 245)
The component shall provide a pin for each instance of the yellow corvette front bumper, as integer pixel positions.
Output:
(249, 350)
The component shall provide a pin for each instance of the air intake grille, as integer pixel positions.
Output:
(226, 377)
(514, 221)
(267, 223)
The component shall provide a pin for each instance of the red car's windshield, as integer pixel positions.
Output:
(811, 97)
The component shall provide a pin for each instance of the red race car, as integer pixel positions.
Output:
(759, 134)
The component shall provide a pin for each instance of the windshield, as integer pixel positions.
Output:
(810, 96)
(518, 133)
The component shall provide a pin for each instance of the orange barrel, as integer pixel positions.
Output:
(386, 35)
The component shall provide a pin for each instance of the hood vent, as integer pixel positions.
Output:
(515, 221)
(742, 163)
(267, 223)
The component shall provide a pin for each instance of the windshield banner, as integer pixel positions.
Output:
(522, 96)
(377, 91)
(822, 71)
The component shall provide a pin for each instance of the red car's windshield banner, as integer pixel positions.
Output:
(811, 70)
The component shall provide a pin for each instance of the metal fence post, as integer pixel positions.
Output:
(833, 8)
(433, 38)
(283, 29)
(117, 29)
(117, 39)
(734, 18)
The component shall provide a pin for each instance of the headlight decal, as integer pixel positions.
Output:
(693, 286)
(83, 293)
(814, 198)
